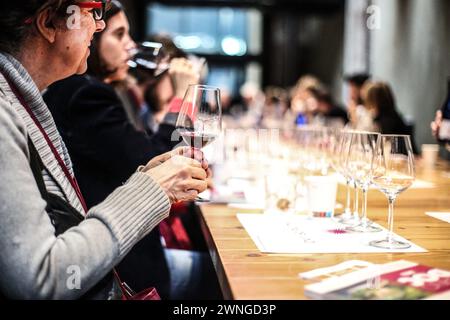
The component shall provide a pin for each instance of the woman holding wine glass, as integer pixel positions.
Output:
(47, 228)
(106, 148)
(199, 121)
(393, 172)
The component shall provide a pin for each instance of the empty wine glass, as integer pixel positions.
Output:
(359, 164)
(199, 121)
(393, 172)
(351, 218)
(334, 151)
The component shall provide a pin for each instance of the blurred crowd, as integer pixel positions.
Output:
(370, 106)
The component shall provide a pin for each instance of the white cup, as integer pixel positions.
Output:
(321, 195)
(430, 154)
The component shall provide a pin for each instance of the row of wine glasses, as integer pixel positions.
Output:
(384, 161)
(357, 163)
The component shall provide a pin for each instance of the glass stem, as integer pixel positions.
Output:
(355, 209)
(391, 219)
(364, 208)
(347, 201)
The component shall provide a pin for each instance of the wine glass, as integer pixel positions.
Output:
(334, 150)
(149, 57)
(199, 121)
(393, 172)
(361, 152)
(343, 153)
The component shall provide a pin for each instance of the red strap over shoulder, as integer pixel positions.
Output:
(61, 163)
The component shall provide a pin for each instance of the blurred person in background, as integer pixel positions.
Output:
(170, 87)
(328, 113)
(252, 104)
(355, 83)
(435, 126)
(275, 107)
(300, 98)
(106, 148)
(359, 117)
(158, 89)
(379, 100)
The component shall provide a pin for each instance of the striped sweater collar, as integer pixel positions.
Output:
(16, 73)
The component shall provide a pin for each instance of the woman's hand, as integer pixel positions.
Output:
(182, 173)
(182, 151)
(436, 124)
(182, 74)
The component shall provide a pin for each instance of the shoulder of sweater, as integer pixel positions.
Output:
(12, 125)
(6, 106)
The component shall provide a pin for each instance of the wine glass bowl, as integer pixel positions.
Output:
(149, 57)
(199, 121)
(393, 172)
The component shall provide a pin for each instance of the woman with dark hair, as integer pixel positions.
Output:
(52, 246)
(106, 147)
(379, 100)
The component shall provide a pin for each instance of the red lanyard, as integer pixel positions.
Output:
(61, 163)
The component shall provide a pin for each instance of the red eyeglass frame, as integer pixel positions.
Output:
(94, 5)
(86, 5)
(91, 4)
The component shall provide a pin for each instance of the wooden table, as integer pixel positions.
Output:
(246, 273)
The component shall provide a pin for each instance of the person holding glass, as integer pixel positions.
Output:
(40, 199)
(105, 148)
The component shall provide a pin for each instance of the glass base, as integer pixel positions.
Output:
(199, 199)
(368, 227)
(351, 220)
(386, 244)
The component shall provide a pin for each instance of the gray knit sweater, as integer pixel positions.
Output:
(34, 264)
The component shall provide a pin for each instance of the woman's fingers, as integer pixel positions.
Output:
(194, 184)
(190, 195)
(198, 173)
(209, 173)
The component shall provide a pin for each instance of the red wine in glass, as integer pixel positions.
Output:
(197, 140)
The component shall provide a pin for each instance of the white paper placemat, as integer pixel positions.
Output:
(444, 216)
(275, 233)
